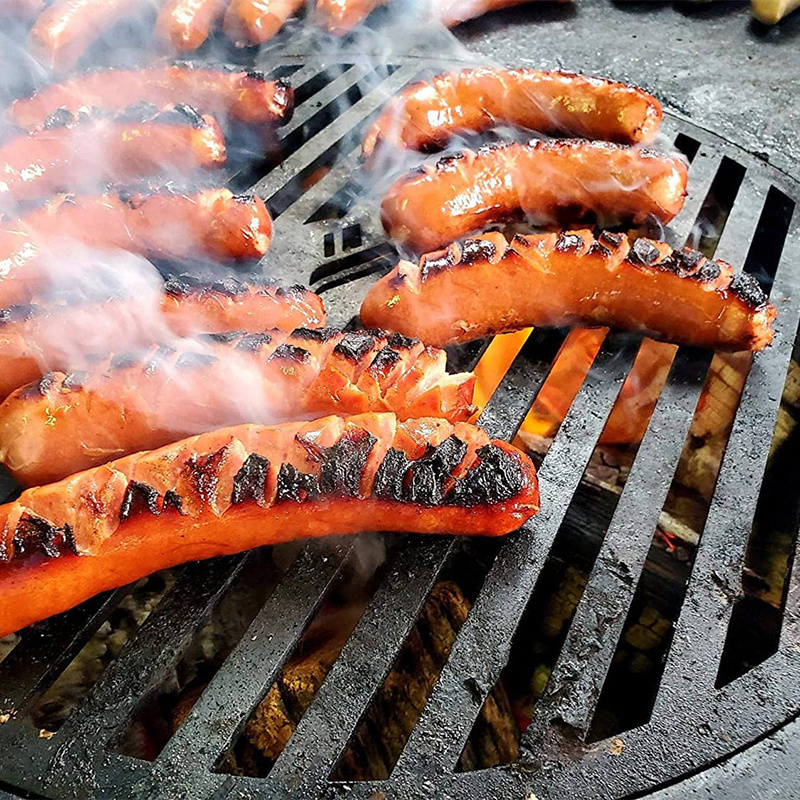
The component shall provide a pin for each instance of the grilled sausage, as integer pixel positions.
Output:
(49, 333)
(243, 487)
(547, 181)
(339, 17)
(127, 403)
(251, 22)
(184, 25)
(212, 223)
(488, 286)
(245, 96)
(140, 143)
(428, 114)
(454, 12)
(64, 31)
(192, 306)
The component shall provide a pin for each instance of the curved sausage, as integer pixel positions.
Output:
(339, 17)
(184, 25)
(426, 115)
(246, 96)
(65, 30)
(212, 223)
(48, 334)
(140, 143)
(252, 22)
(243, 487)
(560, 181)
(488, 286)
(128, 402)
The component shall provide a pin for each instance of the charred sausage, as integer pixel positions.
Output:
(66, 423)
(251, 22)
(248, 486)
(184, 25)
(37, 335)
(212, 223)
(488, 286)
(547, 181)
(64, 31)
(428, 114)
(137, 144)
(245, 96)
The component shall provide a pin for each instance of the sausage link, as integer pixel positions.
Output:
(561, 181)
(64, 31)
(339, 17)
(248, 486)
(138, 144)
(246, 96)
(184, 25)
(212, 223)
(51, 333)
(488, 286)
(252, 22)
(427, 115)
(127, 402)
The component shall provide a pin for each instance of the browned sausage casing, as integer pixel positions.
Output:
(243, 487)
(84, 155)
(64, 31)
(251, 22)
(183, 25)
(128, 402)
(488, 286)
(212, 223)
(426, 115)
(557, 181)
(245, 96)
(50, 334)
(339, 17)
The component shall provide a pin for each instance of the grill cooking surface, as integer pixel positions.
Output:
(333, 242)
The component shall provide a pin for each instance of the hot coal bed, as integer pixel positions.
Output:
(641, 630)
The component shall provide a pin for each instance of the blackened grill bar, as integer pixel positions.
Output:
(81, 758)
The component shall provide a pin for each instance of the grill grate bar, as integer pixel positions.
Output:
(242, 680)
(322, 98)
(344, 125)
(442, 731)
(361, 667)
(742, 222)
(506, 409)
(715, 582)
(578, 676)
(48, 647)
(702, 171)
(142, 665)
(369, 653)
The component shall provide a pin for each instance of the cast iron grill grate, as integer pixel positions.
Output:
(332, 241)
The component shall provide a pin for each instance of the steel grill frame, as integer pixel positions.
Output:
(80, 761)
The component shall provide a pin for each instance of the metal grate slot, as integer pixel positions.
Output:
(252, 667)
(46, 648)
(140, 668)
(288, 698)
(464, 684)
(398, 703)
(713, 588)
